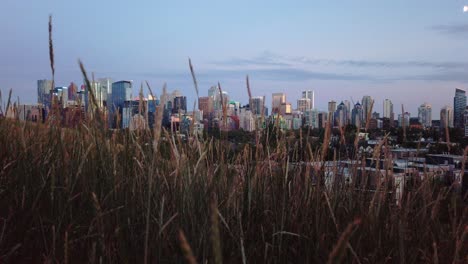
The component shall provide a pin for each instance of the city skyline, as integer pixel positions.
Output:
(416, 54)
(111, 97)
(102, 89)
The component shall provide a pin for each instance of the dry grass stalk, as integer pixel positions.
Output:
(158, 118)
(215, 235)
(338, 251)
(195, 84)
(342, 133)
(96, 113)
(263, 111)
(51, 51)
(65, 248)
(447, 133)
(356, 141)
(376, 157)
(249, 92)
(460, 244)
(435, 257)
(55, 111)
(148, 211)
(326, 139)
(403, 122)
(369, 114)
(194, 118)
(186, 249)
(224, 106)
(465, 155)
(8, 103)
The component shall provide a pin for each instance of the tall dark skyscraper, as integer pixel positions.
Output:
(121, 92)
(180, 105)
(459, 105)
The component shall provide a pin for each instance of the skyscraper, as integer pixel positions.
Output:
(347, 103)
(312, 118)
(205, 104)
(356, 115)
(60, 96)
(258, 104)
(106, 87)
(388, 109)
(180, 104)
(99, 94)
(425, 115)
(331, 107)
(233, 108)
(404, 119)
(44, 92)
(285, 109)
(341, 115)
(322, 119)
(459, 105)
(309, 95)
(277, 100)
(152, 103)
(213, 92)
(303, 104)
(465, 117)
(246, 120)
(121, 92)
(172, 96)
(446, 117)
(367, 104)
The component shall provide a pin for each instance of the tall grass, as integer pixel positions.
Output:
(118, 198)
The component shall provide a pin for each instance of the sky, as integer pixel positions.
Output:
(408, 51)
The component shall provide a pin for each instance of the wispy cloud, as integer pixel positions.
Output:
(444, 76)
(301, 75)
(460, 30)
(284, 74)
(293, 74)
(388, 64)
(250, 62)
(273, 60)
(266, 58)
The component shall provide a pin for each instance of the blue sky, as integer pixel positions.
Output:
(408, 51)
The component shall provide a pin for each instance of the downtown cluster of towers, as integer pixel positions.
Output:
(123, 110)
